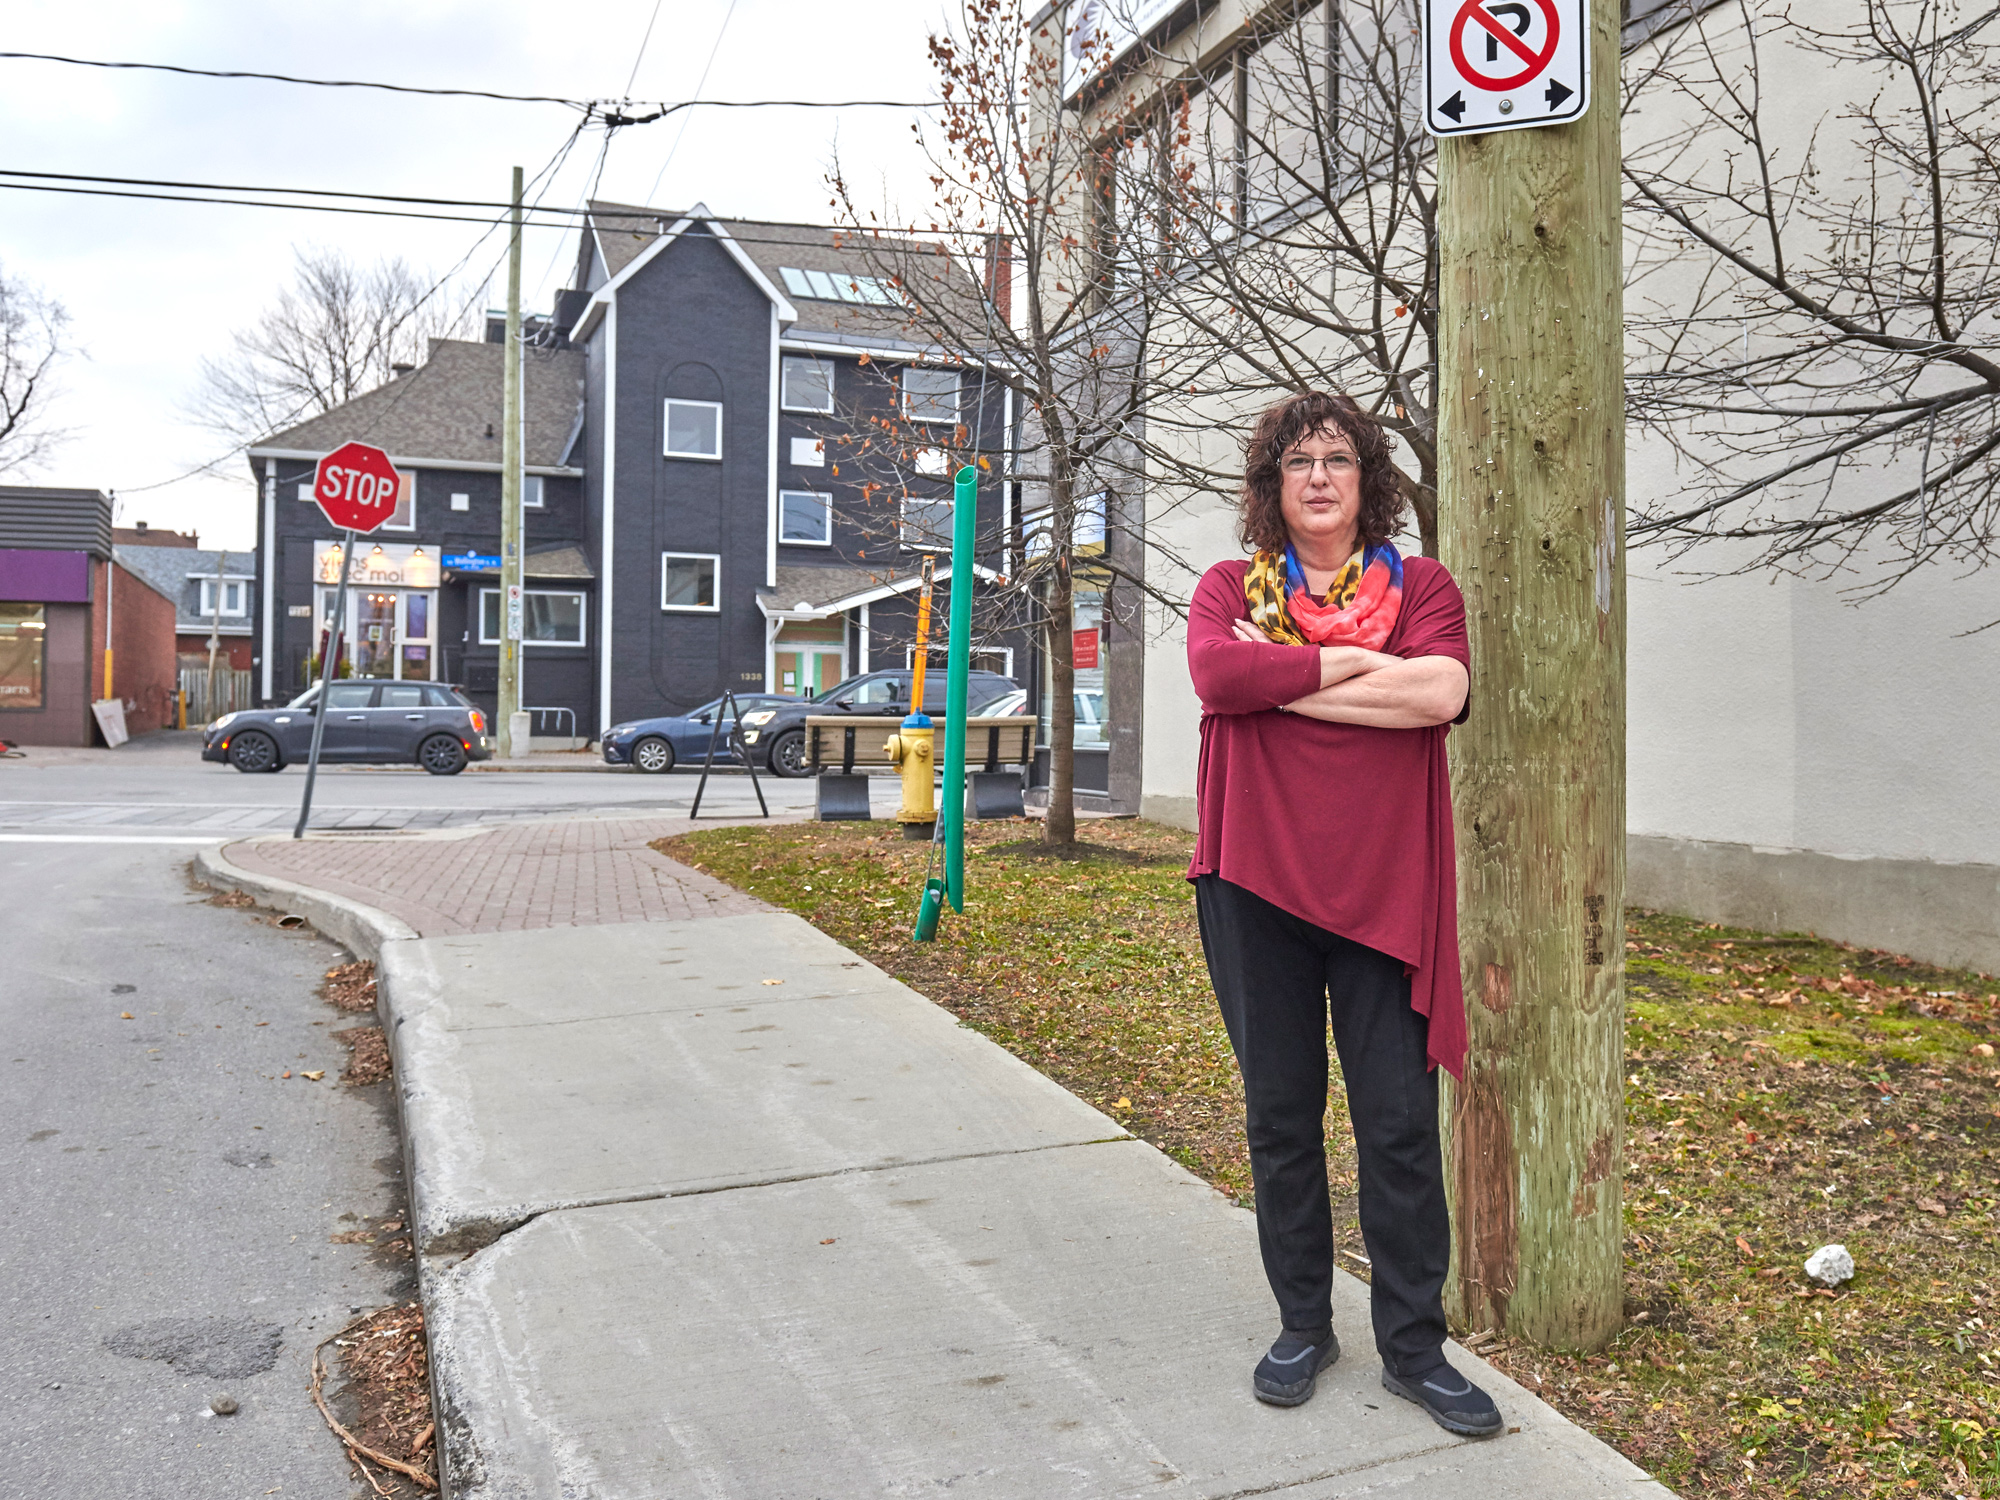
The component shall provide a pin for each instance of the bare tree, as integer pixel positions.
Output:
(34, 338)
(338, 330)
(1815, 300)
(1302, 234)
(1026, 199)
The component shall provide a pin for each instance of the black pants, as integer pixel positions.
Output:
(1273, 973)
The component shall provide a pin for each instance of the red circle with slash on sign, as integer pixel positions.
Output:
(1474, 13)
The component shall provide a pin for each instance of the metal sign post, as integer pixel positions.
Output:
(326, 669)
(356, 488)
(957, 669)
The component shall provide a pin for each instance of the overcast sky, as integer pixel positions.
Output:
(153, 287)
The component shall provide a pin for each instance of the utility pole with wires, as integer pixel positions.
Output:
(513, 737)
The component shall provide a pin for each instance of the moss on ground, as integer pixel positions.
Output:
(1782, 1092)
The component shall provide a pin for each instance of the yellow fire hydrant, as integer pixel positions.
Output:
(910, 752)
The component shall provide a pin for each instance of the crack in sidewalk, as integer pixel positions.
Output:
(470, 1236)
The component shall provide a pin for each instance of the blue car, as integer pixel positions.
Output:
(658, 745)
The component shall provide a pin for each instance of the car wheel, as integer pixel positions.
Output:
(251, 752)
(441, 755)
(652, 755)
(788, 754)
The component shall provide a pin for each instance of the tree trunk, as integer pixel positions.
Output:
(1059, 827)
(1532, 478)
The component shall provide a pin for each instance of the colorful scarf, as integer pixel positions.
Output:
(1359, 610)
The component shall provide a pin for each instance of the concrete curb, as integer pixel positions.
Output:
(362, 930)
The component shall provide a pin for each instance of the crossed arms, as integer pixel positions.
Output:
(1369, 687)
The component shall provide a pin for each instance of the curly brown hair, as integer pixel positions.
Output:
(1260, 518)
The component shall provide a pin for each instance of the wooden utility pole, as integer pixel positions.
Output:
(511, 486)
(1532, 503)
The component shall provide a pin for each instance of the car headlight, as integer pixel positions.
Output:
(224, 722)
(762, 716)
(750, 736)
(618, 729)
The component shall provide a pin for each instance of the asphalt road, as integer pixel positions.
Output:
(158, 789)
(170, 1196)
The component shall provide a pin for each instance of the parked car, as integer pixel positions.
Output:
(656, 745)
(368, 721)
(776, 733)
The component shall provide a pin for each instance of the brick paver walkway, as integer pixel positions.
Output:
(507, 878)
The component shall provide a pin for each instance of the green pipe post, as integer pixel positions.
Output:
(958, 666)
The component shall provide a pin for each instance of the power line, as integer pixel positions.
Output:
(700, 84)
(614, 113)
(200, 192)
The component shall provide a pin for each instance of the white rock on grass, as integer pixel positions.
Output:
(1830, 1265)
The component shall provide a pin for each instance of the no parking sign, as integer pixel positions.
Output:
(1504, 64)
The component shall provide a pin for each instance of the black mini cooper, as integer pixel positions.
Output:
(368, 721)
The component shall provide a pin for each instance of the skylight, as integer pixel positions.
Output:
(838, 286)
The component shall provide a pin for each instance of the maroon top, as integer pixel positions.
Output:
(1344, 825)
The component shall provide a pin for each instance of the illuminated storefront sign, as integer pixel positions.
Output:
(381, 564)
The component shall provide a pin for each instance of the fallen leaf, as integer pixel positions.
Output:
(126, 1015)
(1123, 1104)
(774, 981)
(1744, 1245)
(267, 1023)
(826, 1242)
(286, 1074)
(1932, 1206)
(1984, 1049)
(315, 1077)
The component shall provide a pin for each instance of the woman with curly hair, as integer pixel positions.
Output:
(1329, 668)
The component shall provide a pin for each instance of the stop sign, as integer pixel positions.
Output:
(356, 486)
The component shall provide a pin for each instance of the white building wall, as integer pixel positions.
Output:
(1797, 759)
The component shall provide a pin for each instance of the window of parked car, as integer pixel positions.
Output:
(402, 695)
(350, 695)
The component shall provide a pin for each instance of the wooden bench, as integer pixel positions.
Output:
(850, 742)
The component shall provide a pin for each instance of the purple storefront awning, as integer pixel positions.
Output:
(31, 576)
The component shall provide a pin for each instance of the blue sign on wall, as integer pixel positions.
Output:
(472, 562)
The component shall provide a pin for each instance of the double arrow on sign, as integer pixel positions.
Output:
(1555, 94)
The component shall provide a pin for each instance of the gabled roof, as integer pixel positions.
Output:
(624, 232)
(170, 572)
(448, 410)
(815, 593)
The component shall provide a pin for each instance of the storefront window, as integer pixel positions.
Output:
(1092, 670)
(22, 630)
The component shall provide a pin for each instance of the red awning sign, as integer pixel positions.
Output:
(1504, 64)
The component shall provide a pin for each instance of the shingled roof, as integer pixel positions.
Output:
(623, 231)
(449, 408)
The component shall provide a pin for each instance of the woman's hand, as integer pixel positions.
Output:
(1336, 663)
(1412, 694)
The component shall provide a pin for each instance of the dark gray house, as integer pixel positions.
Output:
(214, 593)
(425, 599)
(737, 462)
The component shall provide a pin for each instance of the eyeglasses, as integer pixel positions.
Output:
(1305, 463)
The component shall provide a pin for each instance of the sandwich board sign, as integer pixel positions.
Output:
(1504, 64)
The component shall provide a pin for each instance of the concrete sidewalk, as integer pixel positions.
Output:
(707, 1205)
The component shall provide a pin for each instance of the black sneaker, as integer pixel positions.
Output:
(1455, 1403)
(1286, 1375)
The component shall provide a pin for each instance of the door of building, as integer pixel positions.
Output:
(805, 671)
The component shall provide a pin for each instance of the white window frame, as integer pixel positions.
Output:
(582, 618)
(814, 450)
(958, 392)
(531, 492)
(206, 598)
(785, 401)
(826, 510)
(667, 429)
(461, 501)
(691, 609)
(407, 487)
(942, 543)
